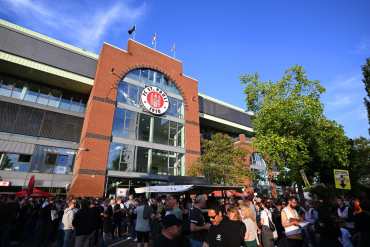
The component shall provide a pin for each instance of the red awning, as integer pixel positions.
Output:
(35, 193)
(230, 193)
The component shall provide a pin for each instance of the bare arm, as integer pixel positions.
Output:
(246, 236)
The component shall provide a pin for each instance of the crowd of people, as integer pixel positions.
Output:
(213, 222)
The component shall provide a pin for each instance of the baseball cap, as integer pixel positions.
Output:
(171, 220)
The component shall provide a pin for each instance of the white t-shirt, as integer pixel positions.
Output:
(345, 238)
(264, 214)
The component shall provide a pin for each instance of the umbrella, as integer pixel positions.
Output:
(30, 186)
(35, 193)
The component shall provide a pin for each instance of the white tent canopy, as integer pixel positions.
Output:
(164, 189)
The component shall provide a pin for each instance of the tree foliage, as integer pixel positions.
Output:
(291, 129)
(366, 73)
(221, 162)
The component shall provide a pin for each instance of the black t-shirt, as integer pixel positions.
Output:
(224, 234)
(107, 224)
(117, 214)
(163, 241)
(8, 212)
(241, 228)
(196, 217)
(327, 229)
(35, 211)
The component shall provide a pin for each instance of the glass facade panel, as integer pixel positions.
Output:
(8, 161)
(144, 122)
(43, 97)
(180, 135)
(159, 162)
(118, 122)
(20, 89)
(257, 160)
(114, 156)
(6, 86)
(32, 92)
(55, 97)
(160, 131)
(142, 160)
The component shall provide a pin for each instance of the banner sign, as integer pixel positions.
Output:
(4, 183)
(307, 184)
(341, 178)
(122, 192)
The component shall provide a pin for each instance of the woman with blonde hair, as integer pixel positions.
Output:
(250, 223)
(236, 219)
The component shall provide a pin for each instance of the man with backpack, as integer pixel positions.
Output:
(48, 215)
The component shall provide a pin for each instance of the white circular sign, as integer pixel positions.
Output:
(155, 100)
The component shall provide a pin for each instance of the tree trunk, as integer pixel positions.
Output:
(300, 191)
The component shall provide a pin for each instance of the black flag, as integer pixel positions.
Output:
(132, 30)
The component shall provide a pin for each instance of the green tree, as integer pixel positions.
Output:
(291, 129)
(366, 73)
(222, 162)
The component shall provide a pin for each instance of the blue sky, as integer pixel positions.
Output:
(217, 41)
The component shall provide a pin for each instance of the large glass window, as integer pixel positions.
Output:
(159, 162)
(7, 86)
(264, 177)
(32, 92)
(257, 160)
(161, 128)
(43, 97)
(20, 89)
(131, 158)
(55, 97)
(144, 127)
(129, 130)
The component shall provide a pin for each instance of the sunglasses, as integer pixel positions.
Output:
(213, 217)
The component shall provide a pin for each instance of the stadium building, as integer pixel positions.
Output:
(92, 123)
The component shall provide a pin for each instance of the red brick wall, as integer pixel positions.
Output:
(90, 167)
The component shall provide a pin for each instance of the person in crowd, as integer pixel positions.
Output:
(311, 215)
(168, 206)
(85, 224)
(251, 226)
(251, 205)
(48, 215)
(236, 221)
(346, 213)
(266, 216)
(107, 224)
(171, 226)
(67, 226)
(129, 206)
(346, 238)
(93, 206)
(222, 232)
(326, 229)
(357, 207)
(174, 200)
(8, 212)
(362, 223)
(198, 226)
(143, 213)
(283, 203)
(117, 219)
(191, 206)
(276, 218)
(33, 216)
(290, 220)
(154, 205)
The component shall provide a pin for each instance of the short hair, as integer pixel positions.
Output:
(291, 198)
(112, 201)
(72, 202)
(52, 199)
(175, 197)
(217, 208)
(12, 197)
(240, 202)
(131, 197)
(236, 212)
(200, 199)
(85, 203)
(33, 201)
(340, 198)
(365, 205)
(340, 221)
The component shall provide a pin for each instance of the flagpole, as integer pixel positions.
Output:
(155, 41)
(174, 50)
(134, 31)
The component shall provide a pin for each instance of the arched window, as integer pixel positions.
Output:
(257, 160)
(128, 93)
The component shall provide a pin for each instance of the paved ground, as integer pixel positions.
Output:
(125, 242)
